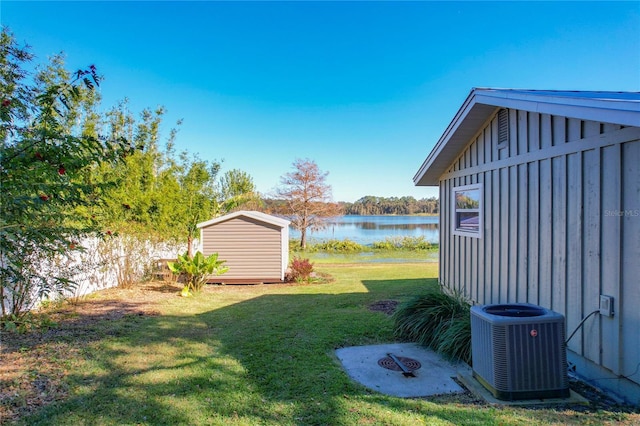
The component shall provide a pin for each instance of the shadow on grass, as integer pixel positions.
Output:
(265, 360)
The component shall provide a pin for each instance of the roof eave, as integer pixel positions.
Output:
(262, 217)
(482, 103)
(464, 125)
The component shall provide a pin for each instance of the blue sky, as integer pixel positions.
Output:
(365, 89)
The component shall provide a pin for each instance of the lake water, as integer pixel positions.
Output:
(369, 229)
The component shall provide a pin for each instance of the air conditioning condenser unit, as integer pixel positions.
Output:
(518, 351)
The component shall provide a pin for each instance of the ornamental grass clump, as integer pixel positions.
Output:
(439, 321)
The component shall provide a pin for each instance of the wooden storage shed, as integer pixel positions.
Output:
(540, 203)
(254, 244)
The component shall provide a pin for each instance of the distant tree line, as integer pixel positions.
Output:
(371, 205)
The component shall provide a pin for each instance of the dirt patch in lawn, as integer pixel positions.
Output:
(386, 306)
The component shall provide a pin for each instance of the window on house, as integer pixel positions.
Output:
(467, 210)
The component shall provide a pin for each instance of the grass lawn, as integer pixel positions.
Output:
(234, 355)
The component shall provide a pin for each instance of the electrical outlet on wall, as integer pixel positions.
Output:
(606, 305)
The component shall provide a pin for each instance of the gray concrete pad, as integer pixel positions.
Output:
(435, 376)
(476, 388)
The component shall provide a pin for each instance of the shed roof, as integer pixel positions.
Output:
(608, 107)
(259, 216)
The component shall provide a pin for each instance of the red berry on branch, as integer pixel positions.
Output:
(39, 156)
(6, 102)
(44, 197)
(61, 170)
(108, 232)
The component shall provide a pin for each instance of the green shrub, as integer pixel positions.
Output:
(439, 321)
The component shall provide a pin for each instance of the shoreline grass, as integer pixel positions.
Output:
(244, 355)
(390, 250)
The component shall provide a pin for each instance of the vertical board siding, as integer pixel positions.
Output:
(522, 139)
(629, 301)
(481, 149)
(533, 132)
(560, 131)
(504, 232)
(488, 145)
(574, 312)
(484, 297)
(591, 252)
(534, 232)
(513, 236)
(520, 204)
(445, 232)
(545, 249)
(558, 231)
(494, 234)
(545, 136)
(590, 128)
(522, 278)
(559, 238)
(610, 233)
(574, 130)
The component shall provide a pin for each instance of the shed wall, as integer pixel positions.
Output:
(252, 249)
(561, 226)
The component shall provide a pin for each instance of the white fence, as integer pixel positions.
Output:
(117, 261)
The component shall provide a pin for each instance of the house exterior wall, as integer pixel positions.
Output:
(253, 249)
(561, 206)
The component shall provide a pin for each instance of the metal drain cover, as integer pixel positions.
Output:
(388, 363)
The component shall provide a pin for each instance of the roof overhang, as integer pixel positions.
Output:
(259, 216)
(608, 107)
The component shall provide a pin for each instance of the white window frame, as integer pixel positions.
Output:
(455, 230)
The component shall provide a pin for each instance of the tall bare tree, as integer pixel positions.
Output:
(308, 198)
